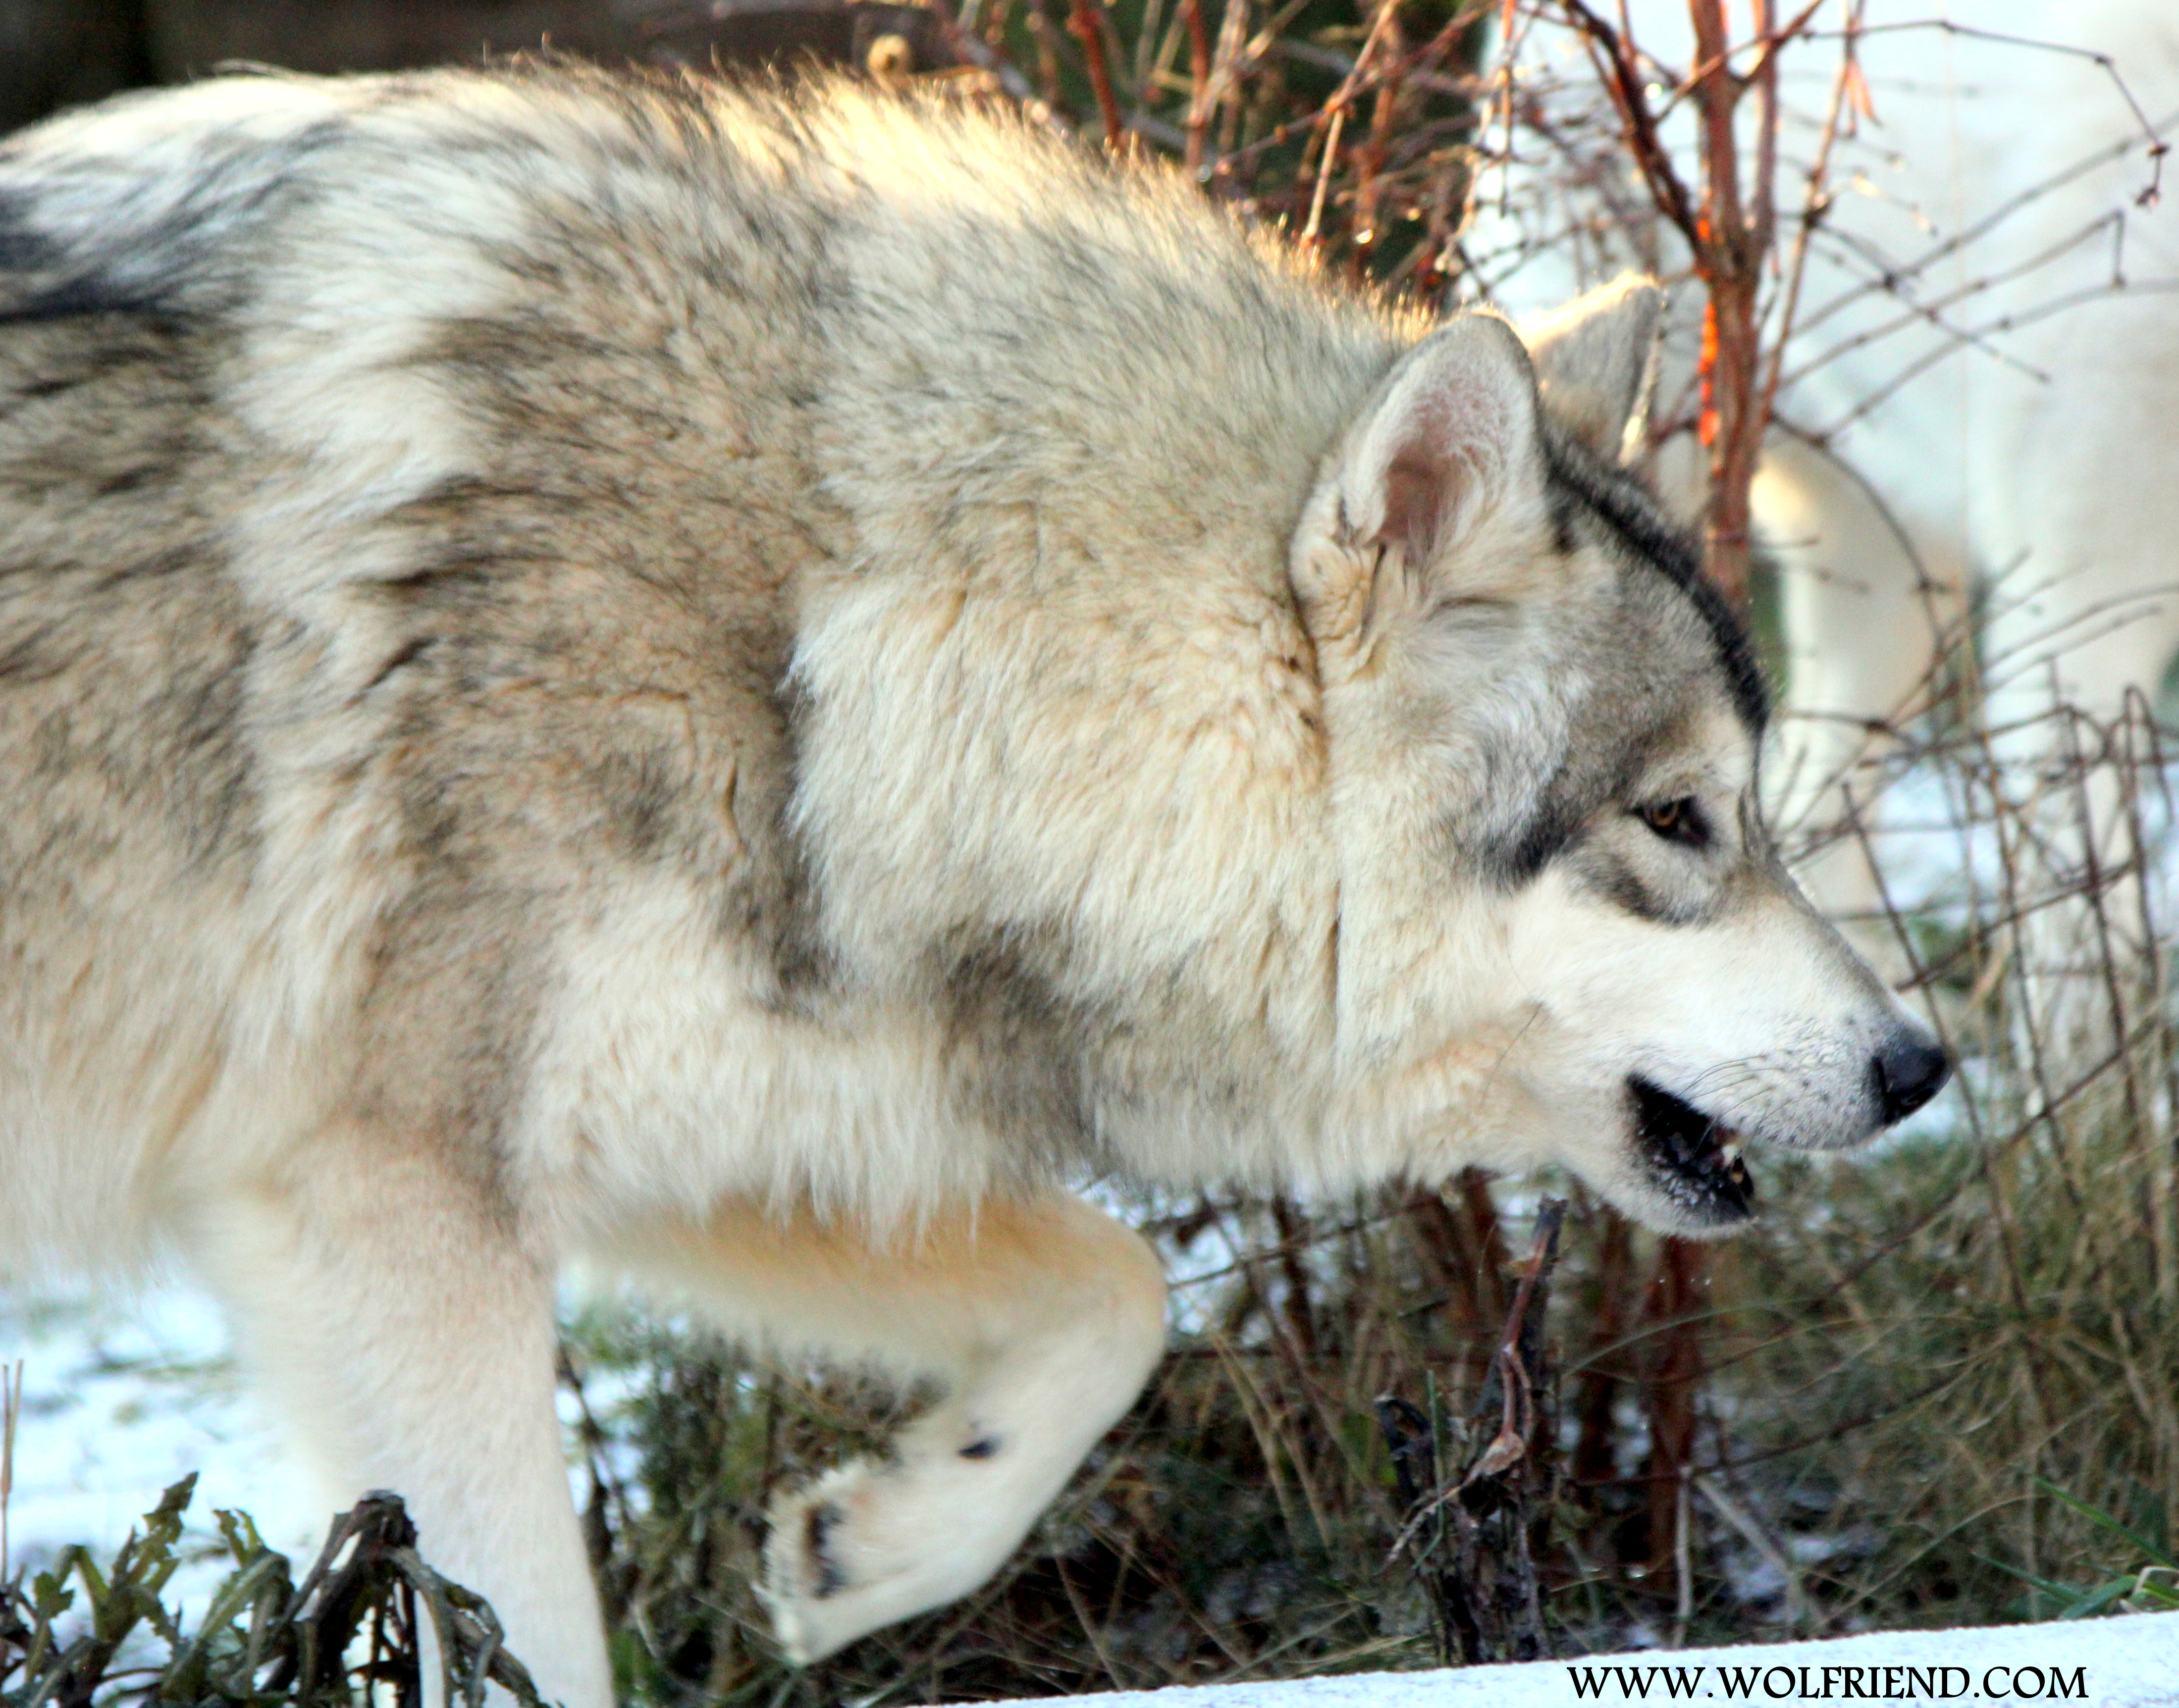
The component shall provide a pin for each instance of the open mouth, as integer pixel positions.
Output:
(1693, 1159)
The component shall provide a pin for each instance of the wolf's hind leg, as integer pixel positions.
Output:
(390, 1313)
(1044, 1317)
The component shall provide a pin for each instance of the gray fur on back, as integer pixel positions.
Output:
(443, 465)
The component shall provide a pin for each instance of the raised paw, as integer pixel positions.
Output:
(874, 1542)
(801, 1574)
(846, 1555)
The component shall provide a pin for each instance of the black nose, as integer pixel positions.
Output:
(1909, 1070)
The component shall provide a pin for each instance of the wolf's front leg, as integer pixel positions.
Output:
(1044, 1317)
(387, 1308)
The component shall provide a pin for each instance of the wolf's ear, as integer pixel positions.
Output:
(1447, 440)
(1596, 360)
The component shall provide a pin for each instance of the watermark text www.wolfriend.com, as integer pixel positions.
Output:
(1645, 1682)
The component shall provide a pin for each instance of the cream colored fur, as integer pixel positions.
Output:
(746, 685)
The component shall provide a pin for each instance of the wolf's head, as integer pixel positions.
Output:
(1544, 733)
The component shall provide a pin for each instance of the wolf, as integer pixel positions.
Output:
(2042, 366)
(745, 685)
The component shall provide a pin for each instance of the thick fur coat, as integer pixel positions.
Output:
(744, 685)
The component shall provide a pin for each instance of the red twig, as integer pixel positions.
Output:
(1669, 1396)
(1085, 23)
(1198, 85)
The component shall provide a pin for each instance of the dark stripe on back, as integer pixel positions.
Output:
(1626, 508)
(163, 265)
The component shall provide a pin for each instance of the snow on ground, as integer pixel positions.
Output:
(123, 1397)
(124, 1394)
(2131, 1661)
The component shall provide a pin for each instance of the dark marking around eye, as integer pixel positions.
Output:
(983, 1447)
(1517, 859)
(1681, 821)
(1605, 874)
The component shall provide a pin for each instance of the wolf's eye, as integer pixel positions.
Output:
(1676, 821)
